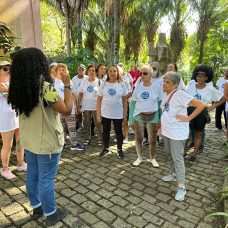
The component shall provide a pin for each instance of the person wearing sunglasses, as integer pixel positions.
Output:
(8, 126)
(144, 113)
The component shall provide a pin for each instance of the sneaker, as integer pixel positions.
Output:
(115, 140)
(78, 147)
(99, 142)
(138, 161)
(181, 191)
(154, 163)
(201, 149)
(37, 213)
(7, 174)
(120, 154)
(125, 141)
(103, 152)
(22, 168)
(131, 131)
(169, 178)
(191, 145)
(192, 159)
(145, 142)
(57, 216)
(87, 142)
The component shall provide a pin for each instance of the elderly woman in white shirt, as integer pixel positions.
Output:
(87, 103)
(144, 113)
(175, 128)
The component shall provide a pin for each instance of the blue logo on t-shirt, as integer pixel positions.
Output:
(112, 92)
(198, 96)
(90, 89)
(62, 88)
(145, 95)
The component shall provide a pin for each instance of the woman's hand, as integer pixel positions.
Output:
(65, 79)
(159, 132)
(182, 118)
(210, 108)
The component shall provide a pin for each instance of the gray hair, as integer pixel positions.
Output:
(174, 77)
(148, 68)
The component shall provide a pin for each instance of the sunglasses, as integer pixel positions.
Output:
(143, 73)
(5, 68)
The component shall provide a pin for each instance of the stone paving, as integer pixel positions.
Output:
(107, 192)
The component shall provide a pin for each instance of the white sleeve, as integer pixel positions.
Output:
(181, 84)
(184, 98)
(130, 77)
(160, 93)
(216, 94)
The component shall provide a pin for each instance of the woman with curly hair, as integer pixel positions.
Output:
(32, 95)
(202, 74)
(9, 126)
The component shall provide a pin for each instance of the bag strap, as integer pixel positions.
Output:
(167, 103)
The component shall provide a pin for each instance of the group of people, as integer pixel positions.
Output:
(50, 106)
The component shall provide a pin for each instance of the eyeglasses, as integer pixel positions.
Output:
(5, 68)
(143, 73)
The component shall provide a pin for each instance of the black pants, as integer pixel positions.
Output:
(218, 116)
(118, 131)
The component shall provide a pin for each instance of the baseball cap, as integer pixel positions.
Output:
(4, 63)
(54, 64)
(82, 66)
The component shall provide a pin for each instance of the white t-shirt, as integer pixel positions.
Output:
(207, 94)
(146, 98)
(77, 82)
(89, 90)
(127, 77)
(193, 83)
(112, 103)
(8, 119)
(59, 87)
(220, 84)
(158, 81)
(170, 126)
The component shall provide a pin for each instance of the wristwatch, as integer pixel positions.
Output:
(67, 87)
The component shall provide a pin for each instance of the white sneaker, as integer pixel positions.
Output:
(138, 161)
(125, 141)
(181, 191)
(154, 163)
(169, 178)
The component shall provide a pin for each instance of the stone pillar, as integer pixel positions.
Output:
(160, 53)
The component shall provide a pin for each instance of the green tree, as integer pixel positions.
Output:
(177, 17)
(210, 13)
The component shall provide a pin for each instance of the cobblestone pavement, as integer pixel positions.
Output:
(107, 192)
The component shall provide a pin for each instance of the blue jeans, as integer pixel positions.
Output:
(40, 178)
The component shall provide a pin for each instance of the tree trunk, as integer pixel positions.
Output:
(116, 38)
(201, 52)
(68, 37)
